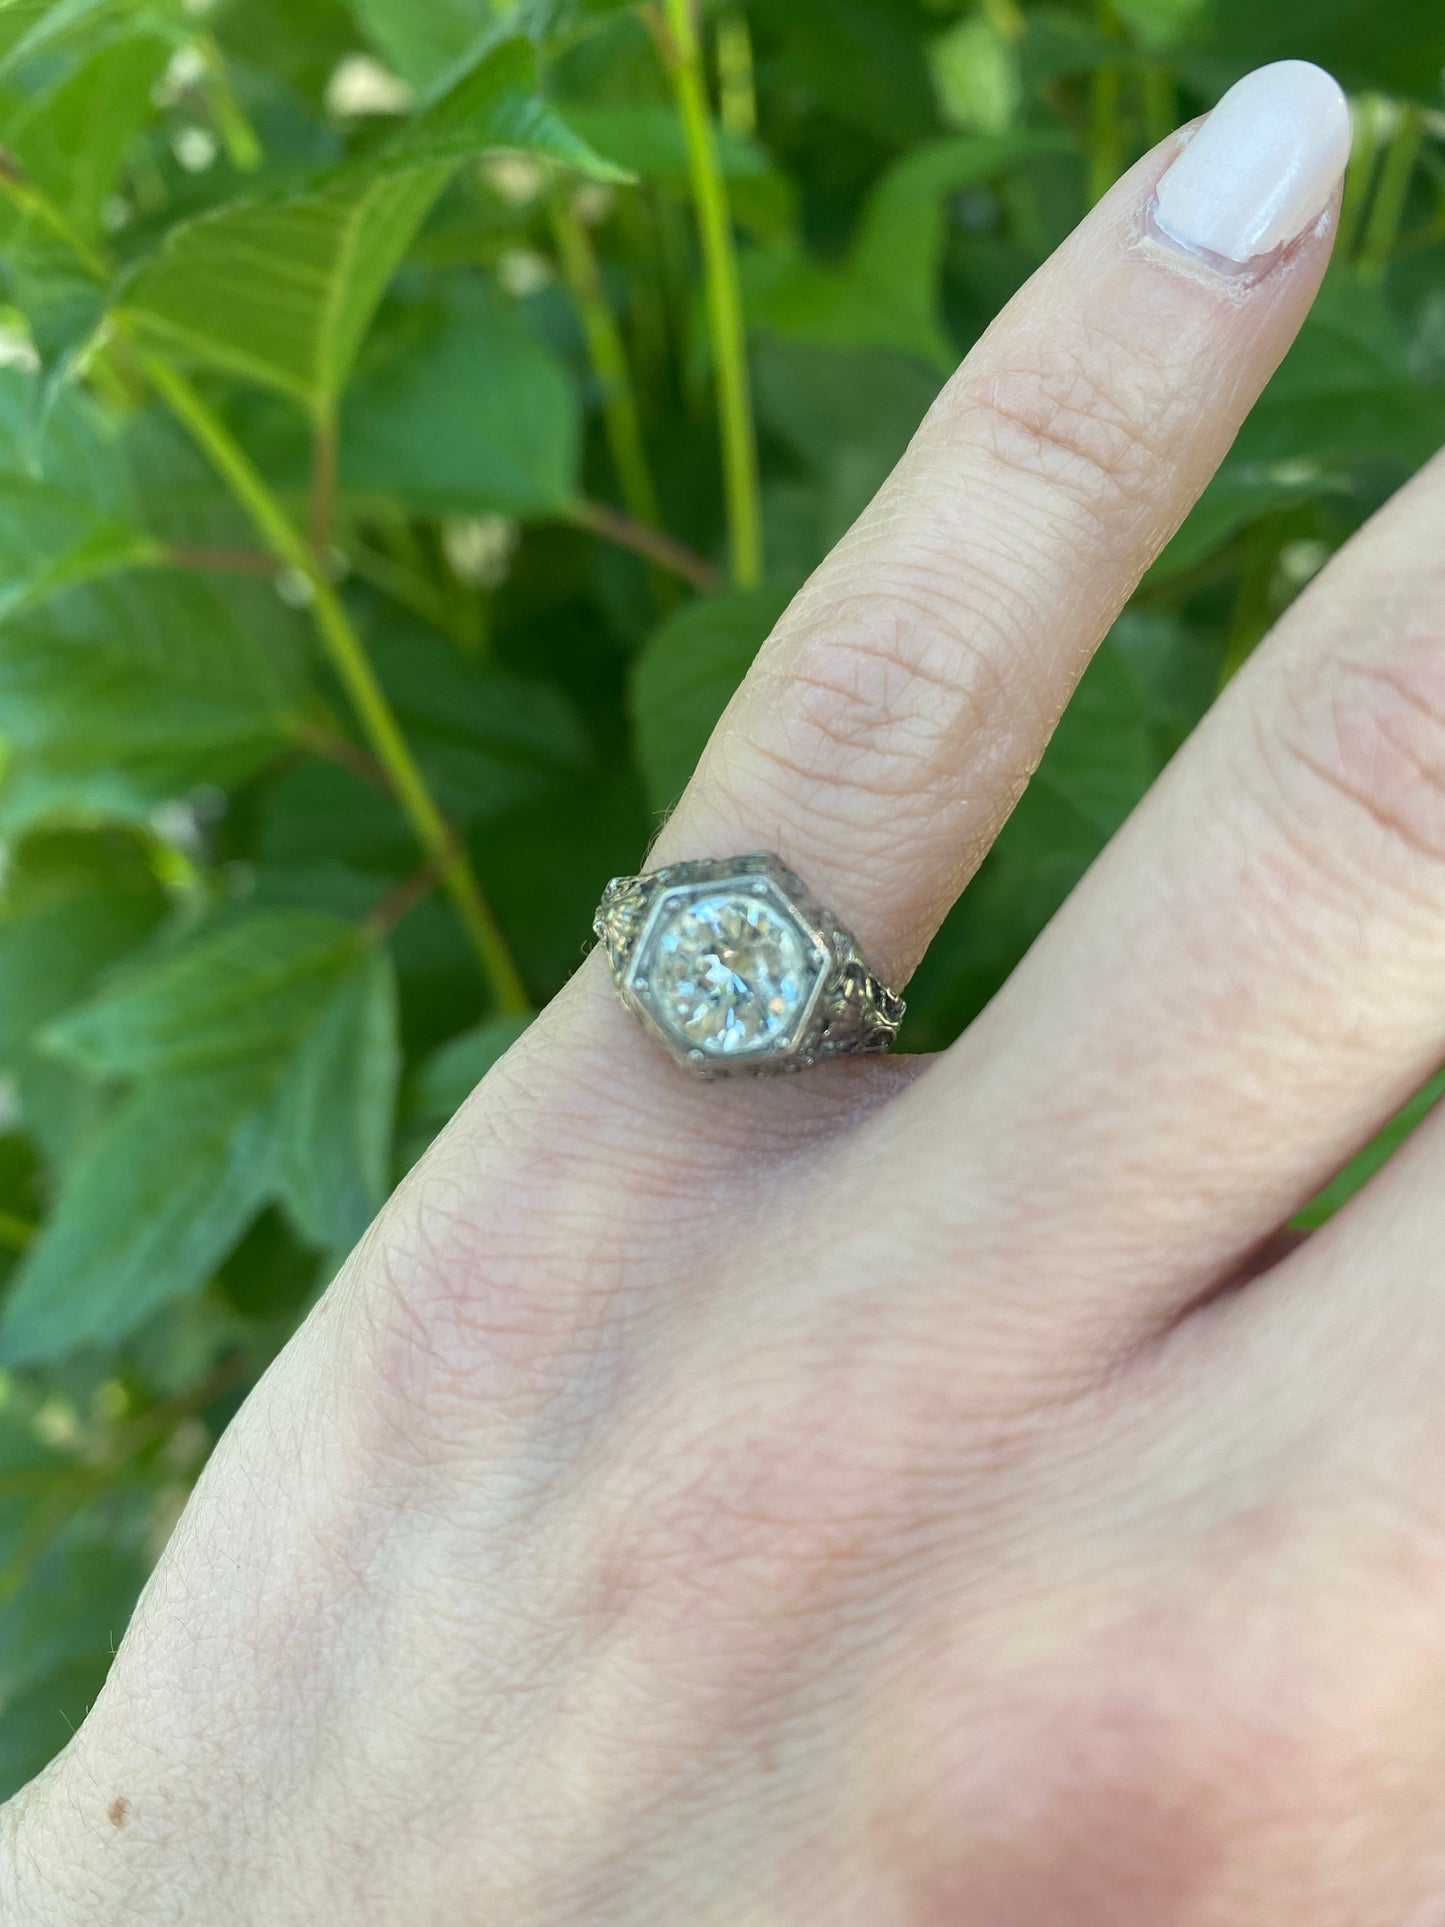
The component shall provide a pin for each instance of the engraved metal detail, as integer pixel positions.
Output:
(734, 966)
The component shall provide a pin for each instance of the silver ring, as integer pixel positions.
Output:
(734, 966)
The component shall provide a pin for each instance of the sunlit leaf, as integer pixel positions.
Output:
(282, 291)
(123, 693)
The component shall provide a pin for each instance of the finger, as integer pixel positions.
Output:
(897, 711)
(1252, 979)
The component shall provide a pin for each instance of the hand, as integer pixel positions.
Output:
(912, 1494)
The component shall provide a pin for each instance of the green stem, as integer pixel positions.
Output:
(609, 358)
(676, 35)
(1392, 191)
(15, 1233)
(353, 667)
(1359, 173)
(737, 90)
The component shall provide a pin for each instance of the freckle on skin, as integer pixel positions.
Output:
(118, 1810)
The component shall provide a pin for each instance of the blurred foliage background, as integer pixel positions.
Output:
(413, 414)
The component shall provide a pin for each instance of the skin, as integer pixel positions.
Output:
(917, 1494)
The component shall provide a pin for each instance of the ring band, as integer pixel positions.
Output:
(734, 966)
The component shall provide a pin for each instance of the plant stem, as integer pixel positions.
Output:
(609, 358)
(321, 503)
(676, 35)
(737, 93)
(401, 902)
(1392, 191)
(598, 519)
(353, 667)
(1367, 114)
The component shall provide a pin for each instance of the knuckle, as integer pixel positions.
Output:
(872, 698)
(1355, 762)
(1086, 424)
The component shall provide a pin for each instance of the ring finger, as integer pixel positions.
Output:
(891, 721)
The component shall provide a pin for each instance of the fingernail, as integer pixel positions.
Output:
(1263, 166)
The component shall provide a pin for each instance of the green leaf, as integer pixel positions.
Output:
(686, 676)
(73, 905)
(466, 411)
(337, 1110)
(648, 139)
(71, 1569)
(30, 29)
(1108, 748)
(488, 741)
(123, 693)
(449, 1076)
(282, 291)
(72, 135)
(62, 301)
(848, 414)
(264, 1054)
(492, 103)
(250, 988)
(885, 295)
(422, 43)
(49, 540)
(150, 1206)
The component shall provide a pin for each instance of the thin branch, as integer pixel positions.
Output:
(599, 518)
(347, 755)
(402, 901)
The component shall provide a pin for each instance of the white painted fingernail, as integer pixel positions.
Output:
(1263, 166)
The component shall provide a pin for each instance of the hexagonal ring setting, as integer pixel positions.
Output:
(734, 967)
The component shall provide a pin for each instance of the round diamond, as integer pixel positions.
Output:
(728, 973)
